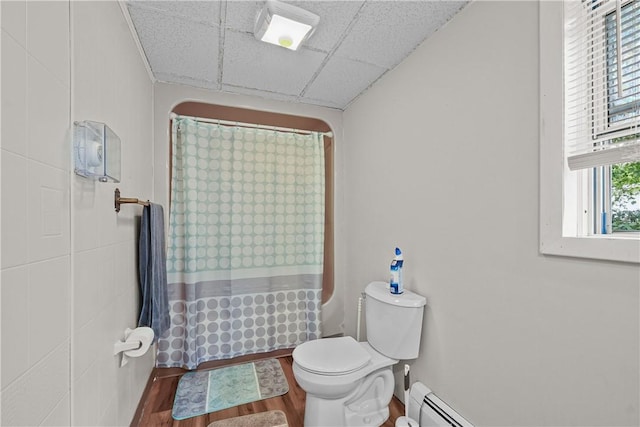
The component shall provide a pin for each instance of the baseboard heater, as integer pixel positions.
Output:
(426, 408)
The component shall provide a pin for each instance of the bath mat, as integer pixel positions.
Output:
(262, 419)
(201, 392)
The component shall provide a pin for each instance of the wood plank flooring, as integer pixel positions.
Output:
(155, 408)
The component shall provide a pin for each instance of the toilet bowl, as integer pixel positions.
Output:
(347, 383)
(350, 383)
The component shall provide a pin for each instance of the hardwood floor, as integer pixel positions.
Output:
(155, 408)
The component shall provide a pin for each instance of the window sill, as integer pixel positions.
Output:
(627, 235)
(605, 247)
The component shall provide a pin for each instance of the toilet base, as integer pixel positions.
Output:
(367, 405)
(324, 413)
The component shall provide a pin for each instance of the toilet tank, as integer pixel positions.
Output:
(394, 322)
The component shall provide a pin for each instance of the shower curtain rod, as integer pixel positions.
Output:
(251, 125)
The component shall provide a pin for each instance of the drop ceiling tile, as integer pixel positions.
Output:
(199, 11)
(321, 103)
(386, 32)
(241, 15)
(259, 93)
(341, 80)
(256, 65)
(177, 46)
(185, 80)
(335, 17)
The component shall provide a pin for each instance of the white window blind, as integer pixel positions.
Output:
(602, 82)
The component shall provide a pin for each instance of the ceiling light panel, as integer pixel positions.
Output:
(284, 25)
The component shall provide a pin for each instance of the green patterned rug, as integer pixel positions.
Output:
(201, 392)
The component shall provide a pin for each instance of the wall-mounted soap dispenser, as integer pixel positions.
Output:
(96, 151)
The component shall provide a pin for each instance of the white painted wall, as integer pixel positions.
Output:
(167, 96)
(441, 159)
(69, 281)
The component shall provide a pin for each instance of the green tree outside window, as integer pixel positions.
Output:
(625, 189)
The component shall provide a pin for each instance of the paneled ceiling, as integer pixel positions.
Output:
(210, 44)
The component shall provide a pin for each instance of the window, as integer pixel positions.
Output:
(623, 179)
(589, 130)
(602, 109)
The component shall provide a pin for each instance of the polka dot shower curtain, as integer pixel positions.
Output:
(245, 242)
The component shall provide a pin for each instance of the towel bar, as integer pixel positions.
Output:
(122, 200)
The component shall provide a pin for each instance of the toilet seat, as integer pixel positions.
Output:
(331, 356)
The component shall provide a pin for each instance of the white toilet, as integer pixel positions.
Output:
(350, 383)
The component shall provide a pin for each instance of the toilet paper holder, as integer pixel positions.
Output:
(121, 346)
(136, 343)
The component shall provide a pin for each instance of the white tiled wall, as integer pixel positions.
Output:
(110, 85)
(69, 280)
(36, 236)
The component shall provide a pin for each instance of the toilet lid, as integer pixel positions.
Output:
(331, 356)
